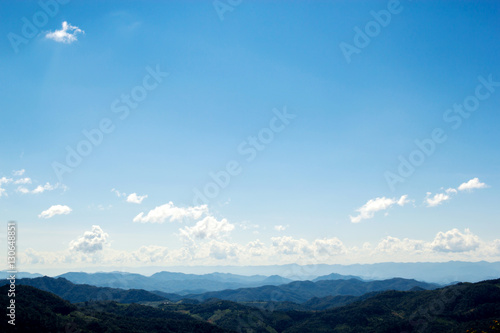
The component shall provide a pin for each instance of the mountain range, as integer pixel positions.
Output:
(463, 307)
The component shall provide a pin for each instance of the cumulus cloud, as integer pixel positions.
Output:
(327, 247)
(207, 228)
(151, 253)
(472, 184)
(368, 210)
(436, 200)
(455, 241)
(91, 241)
(134, 198)
(66, 35)
(222, 250)
(171, 213)
(393, 244)
(55, 210)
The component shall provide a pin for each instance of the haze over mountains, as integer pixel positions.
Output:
(462, 307)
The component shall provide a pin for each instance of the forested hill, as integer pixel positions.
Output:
(457, 308)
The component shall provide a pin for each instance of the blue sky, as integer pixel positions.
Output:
(311, 133)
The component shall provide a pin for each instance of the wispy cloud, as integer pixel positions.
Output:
(40, 188)
(66, 35)
(25, 180)
(171, 213)
(55, 210)
(18, 172)
(368, 210)
(439, 198)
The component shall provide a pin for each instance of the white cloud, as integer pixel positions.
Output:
(18, 172)
(222, 250)
(55, 210)
(151, 254)
(280, 228)
(134, 198)
(91, 241)
(39, 189)
(437, 199)
(393, 244)
(5, 180)
(25, 180)
(455, 241)
(23, 190)
(208, 228)
(474, 183)
(451, 191)
(66, 35)
(118, 193)
(172, 213)
(290, 246)
(328, 247)
(368, 210)
(403, 200)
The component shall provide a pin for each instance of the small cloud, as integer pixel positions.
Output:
(55, 210)
(46, 187)
(18, 172)
(451, 191)
(403, 200)
(134, 198)
(172, 213)
(23, 190)
(280, 227)
(5, 180)
(91, 241)
(472, 184)
(436, 200)
(118, 193)
(368, 210)
(66, 35)
(26, 180)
